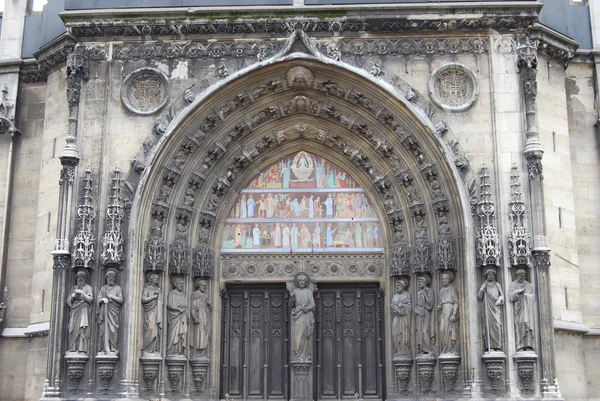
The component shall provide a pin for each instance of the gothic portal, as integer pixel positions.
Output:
(299, 231)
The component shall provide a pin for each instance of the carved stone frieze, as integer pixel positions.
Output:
(488, 245)
(519, 238)
(83, 244)
(319, 267)
(112, 241)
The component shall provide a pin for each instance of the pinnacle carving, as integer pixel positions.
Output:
(518, 239)
(84, 242)
(112, 242)
(526, 52)
(488, 246)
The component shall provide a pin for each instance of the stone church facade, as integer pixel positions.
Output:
(299, 202)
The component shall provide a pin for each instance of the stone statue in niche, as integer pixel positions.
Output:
(448, 313)
(401, 319)
(79, 302)
(200, 311)
(177, 318)
(153, 311)
(492, 296)
(303, 321)
(110, 299)
(522, 295)
(424, 317)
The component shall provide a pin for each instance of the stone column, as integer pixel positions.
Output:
(77, 67)
(527, 65)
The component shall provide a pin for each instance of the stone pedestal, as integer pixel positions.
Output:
(494, 365)
(449, 364)
(75, 370)
(175, 368)
(526, 361)
(150, 368)
(105, 366)
(199, 373)
(426, 371)
(402, 368)
(302, 380)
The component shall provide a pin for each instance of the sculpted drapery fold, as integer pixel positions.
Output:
(401, 320)
(109, 302)
(521, 294)
(492, 296)
(79, 302)
(200, 313)
(303, 321)
(153, 310)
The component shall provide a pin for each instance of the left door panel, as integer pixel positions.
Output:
(255, 343)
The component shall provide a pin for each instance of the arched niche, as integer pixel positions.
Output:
(211, 151)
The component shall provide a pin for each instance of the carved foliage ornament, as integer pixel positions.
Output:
(145, 91)
(84, 241)
(453, 87)
(112, 242)
(518, 240)
(488, 246)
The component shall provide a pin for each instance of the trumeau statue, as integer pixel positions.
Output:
(153, 311)
(401, 319)
(448, 313)
(493, 298)
(521, 294)
(200, 311)
(303, 321)
(109, 303)
(424, 317)
(79, 302)
(177, 323)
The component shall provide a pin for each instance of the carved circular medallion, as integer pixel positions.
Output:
(270, 269)
(251, 269)
(289, 268)
(453, 87)
(145, 91)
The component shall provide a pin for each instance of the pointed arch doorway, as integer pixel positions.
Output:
(303, 213)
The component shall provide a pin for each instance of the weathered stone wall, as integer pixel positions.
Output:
(489, 132)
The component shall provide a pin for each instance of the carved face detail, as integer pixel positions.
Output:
(202, 285)
(154, 279)
(400, 286)
(81, 279)
(111, 277)
(178, 283)
(490, 276)
(520, 276)
(445, 279)
(302, 281)
(422, 282)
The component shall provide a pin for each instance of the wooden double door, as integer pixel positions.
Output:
(347, 350)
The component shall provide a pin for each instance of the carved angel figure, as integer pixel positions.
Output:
(303, 321)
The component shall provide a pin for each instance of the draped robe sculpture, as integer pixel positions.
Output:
(153, 310)
(79, 302)
(521, 294)
(493, 298)
(177, 319)
(109, 303)
(200, 311)
(448, 315)
(423, 308)
(401, 321)
(303, 321)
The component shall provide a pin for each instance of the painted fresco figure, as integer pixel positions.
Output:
(303, 321)
(109, 303)
(79, 302)
(177, 318)
(153, 310)
(492, 296)
(200, 311)
(424, 317)
(448, 315)
(521, 294)
(401, 319)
